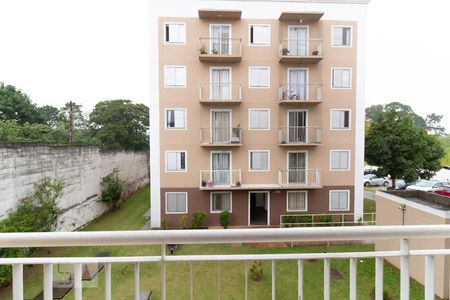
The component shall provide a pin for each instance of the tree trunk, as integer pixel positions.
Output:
(393, 179)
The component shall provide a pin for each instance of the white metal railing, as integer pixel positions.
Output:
(220, 135)
(301, 47)
(220, 178)
(216, 92)
(300, 135)
(300, 177)
(163, 238)
(300, 92)
(333, 219)
(220, 46)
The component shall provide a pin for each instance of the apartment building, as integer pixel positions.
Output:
(257, 109)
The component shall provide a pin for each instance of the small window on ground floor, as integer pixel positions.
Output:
(339, 200)
(176, 202)
(220, 201)
(297, 201)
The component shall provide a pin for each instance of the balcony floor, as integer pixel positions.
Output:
(260, 187)
(220, 102)
(219, 58)
(299, 144)
(303, 60)
(299, 102)
(221, 145)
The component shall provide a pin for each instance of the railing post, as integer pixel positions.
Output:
(300, 279)
(78, 286)
(191, 282)
(108, 281)
(353, 276)
(429, 277)
(137, 286)
(48, 281)
(163, 271)
(326, 279)
(274, 292)
(17, 281)
(404, 270)
(379, 278)
(200, 96)
(246, 279)
(218, 280)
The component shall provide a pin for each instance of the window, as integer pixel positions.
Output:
(259, 119)
(340, 160)
(174, 33)
(258, 77)
(176, 161)
(176, 203)
(342, 36)
(342, 78)
(220, 201)
(259, 35)
(297, 201)
(340, 119)
(175, 76)
(339, 200)
(259, 160)
(176, 118)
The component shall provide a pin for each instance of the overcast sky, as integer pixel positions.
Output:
(92, 50)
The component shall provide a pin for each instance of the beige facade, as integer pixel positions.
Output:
(300, 113)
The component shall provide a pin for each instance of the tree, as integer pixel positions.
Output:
(50, 115)
(433, 123)
(17, 106)
(375, 112)
(120, 124)
(73, 119)
(401, 149)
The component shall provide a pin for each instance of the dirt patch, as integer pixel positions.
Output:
(335, 274)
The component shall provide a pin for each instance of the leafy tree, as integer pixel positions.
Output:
(17, 106)
(49, 114)
(375, 112)
(72, 117)
(112, 188)
(120, 124)
(434, 126)
(400, 148)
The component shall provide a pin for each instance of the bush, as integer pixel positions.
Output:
(256, 271)
(197, 219)
(112, 188)
(37, 212)
(164, 225)
(297, 220)
(325, 220)
(183, 221)
(225, 219)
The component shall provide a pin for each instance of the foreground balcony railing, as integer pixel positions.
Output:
(300, 136)
(163, 238)
(217, 179)
(305, 51)
(220, 49)
(301, 178)
(312, 220)
(221, 136)
(210, 92)
(300, 93)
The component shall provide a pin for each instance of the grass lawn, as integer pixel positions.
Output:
(369, 206)
(209, 276)
(370, 189)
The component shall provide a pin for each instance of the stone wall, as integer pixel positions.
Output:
(79, 167)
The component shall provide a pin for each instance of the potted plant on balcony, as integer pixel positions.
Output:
(315, 53)
(236, 134)
(203, 183)
(210, 183)
(214, 51)
(202, 50)
(238, 184)
(285, 51)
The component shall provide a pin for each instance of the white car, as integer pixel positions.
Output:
(427, 185)
(374, 180)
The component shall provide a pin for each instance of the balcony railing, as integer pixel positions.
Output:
(210, 92)
(300, 93)
(166, 237)
(221, 136)
(300, 136)
(314, 220)
(220, 49)
(301, 50)
(300, 178)
(213, 179)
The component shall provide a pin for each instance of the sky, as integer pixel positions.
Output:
(92, 50)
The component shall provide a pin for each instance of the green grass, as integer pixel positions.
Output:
(370, 189)
(369, 206)
(205, 274)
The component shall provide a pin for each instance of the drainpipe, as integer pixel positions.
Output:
(403, 208)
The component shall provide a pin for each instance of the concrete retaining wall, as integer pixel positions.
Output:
(80, 168)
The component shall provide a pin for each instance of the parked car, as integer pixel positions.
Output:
(400, 184)
(427, 185)
(444, 191)
(374, 180)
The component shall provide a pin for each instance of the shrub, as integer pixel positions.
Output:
(297, 220)
(183, 221)
(225, 218)
(164, 225)
(112, 188)
(197, 219)
(256, 271)
(325, 220)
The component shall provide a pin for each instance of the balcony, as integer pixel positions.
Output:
(220, 49)
(166, 267)
(301, 51)
(221, 136)
(220, 93)
(300, 93)
(300, 178)
(220, 179)
(303, 136)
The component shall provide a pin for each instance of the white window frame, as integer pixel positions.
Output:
(268, 79)
(230, 69)
(211, 160)
(296, 210)
(349, 160)
(175, 86)
(165, 33)
(211, 202)
(349, 119)
(268, 121)
(332, 78)
(185, 161)
(230, 45)
(332, 36)
(250, 160)
(339, 191)
(185, 118)
(176, 213)
(306, 160)
(249, 35)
